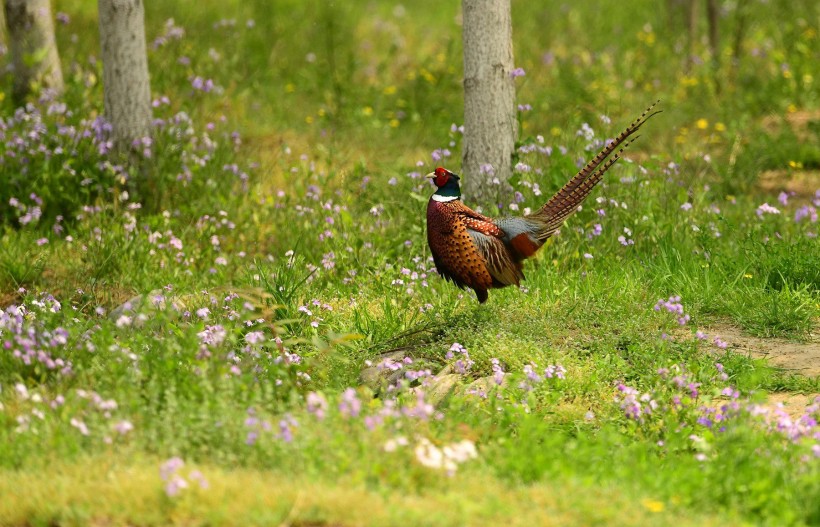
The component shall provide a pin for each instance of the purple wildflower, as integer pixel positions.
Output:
(350, 405)
(170, 467)
(317, 405)
(498, 371)
(806, 211)
(766, 209)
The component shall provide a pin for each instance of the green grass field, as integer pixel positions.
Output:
(245, 326)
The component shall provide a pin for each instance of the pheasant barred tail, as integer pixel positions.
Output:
(566, 201)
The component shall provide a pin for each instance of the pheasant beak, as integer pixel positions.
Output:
(431, 175)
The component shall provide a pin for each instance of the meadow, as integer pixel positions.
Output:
(243, 325)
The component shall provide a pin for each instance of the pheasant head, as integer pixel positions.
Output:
(447, 183)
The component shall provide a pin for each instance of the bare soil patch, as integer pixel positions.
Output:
(794, 404)
(797, 357)
(804, 183)
(798, 122)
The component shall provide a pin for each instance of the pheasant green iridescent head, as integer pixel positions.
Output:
(447, 184)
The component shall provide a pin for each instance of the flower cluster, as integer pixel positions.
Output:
(635, 404)
(29, 341)
(532, 378)
(673, 305)
(446, 458)
(463, 362)
(170, 472)
(677, 398)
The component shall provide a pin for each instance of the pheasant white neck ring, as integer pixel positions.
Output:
(443, 199)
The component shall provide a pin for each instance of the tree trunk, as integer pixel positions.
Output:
(490, 123)
(125, 70)
(2, 25)
(33, 48)
(714, 48)
(740, 28)
(691, 33)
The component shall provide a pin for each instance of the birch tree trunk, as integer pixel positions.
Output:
(33, 47)
(490, 123)
(125, 70)
(2, 24)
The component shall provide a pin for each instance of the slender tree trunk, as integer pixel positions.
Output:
(714, 31)
(675, 11)
(33, 47)
(2, 24)
(490, 123)
(740, 28)
(691, 32)
(714, 44)
(125, 70)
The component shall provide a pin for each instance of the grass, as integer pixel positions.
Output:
(253, 497)
(278, 250)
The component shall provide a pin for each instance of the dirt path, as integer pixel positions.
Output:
(797, 357)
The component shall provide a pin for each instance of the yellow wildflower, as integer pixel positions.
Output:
(652, 505)
(689, 81)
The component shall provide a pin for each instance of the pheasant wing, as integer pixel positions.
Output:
(487, 238)
(454, 252)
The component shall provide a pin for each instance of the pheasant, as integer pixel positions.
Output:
(482, 253)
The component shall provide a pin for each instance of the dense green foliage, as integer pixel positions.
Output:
(273, 227)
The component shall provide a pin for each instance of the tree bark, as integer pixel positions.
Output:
(714, 47)
(2, 25)
(490, 123)
(33, 48)
(691, 32)
(125, 70)
(740, 29)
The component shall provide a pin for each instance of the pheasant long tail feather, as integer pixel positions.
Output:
(566, 200)
(562, 209)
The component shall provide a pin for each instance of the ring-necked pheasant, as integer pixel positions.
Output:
(484, 253)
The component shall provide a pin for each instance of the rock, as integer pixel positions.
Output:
(437, 388)
(128, 308)
(376, 378)
(485, 385)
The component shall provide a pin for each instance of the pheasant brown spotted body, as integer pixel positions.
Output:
(483, 253)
